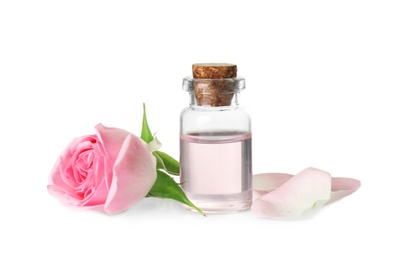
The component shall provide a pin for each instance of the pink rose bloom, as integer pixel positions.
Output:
(109, 171)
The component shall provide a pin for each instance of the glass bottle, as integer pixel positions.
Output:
(215, 144)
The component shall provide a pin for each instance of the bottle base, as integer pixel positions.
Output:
(220, 203)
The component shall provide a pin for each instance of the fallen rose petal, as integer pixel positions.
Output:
(309, 189)
(342, 187)
(286, 196)
(266, 182)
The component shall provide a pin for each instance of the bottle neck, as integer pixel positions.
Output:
(209, 101)
(214, 92)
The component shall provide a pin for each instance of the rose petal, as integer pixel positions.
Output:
(266, 182)
(342, 187)
(309, 189)
(112, 139)
(134, 175)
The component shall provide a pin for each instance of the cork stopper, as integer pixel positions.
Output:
(214, 70)
(214, 84)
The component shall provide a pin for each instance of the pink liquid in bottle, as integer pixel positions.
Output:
(216, 170)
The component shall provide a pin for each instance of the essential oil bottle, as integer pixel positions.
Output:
(215, 140)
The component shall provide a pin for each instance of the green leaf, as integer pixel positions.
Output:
(167, 163)
(166, 187)
(146, 134)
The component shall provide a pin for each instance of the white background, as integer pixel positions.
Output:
(321, 87)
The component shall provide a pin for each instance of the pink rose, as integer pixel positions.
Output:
(109, 171)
